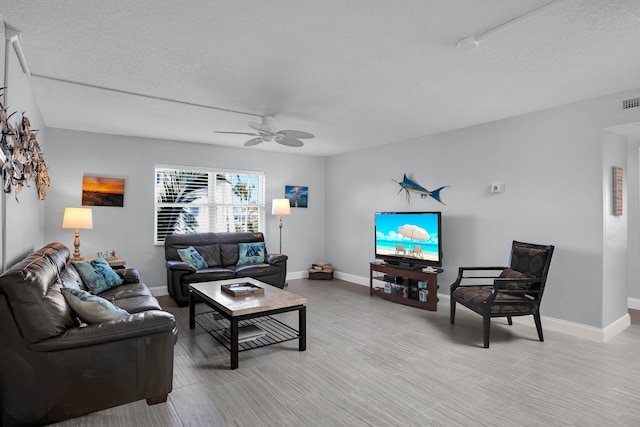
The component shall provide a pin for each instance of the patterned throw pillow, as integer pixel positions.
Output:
(508, 273)
(192, 256)
(91, 308)
(530, 261)
(98, 275)
(251, 253)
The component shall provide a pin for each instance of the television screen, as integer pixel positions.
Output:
(409, 238)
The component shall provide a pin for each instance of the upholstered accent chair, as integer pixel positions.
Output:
(515, 290)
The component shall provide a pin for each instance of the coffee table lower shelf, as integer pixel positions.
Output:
(276, 331)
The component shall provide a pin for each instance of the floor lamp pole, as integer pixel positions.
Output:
(280, 225)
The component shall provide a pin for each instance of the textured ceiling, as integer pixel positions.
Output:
(356, 73)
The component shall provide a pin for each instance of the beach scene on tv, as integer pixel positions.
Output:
(407, 235)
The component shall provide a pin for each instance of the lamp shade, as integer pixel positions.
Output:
(77, 218)
(281, 207)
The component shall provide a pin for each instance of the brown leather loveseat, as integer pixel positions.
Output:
(221, 253)
(54, 366)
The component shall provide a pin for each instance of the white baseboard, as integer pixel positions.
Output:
(633, 303)
(297, 275)
(579, 330)
(548, 323)
(359, 280)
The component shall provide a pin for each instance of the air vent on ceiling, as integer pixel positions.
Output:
(630, 103)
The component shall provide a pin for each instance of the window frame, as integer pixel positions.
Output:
(213, 204)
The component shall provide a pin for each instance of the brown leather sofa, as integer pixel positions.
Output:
(221, 252)
(54, 367)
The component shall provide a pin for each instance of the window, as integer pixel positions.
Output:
(198, 200)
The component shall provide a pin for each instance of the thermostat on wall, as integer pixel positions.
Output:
(497, 187)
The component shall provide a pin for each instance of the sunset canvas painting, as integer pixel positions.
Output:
(101, 191)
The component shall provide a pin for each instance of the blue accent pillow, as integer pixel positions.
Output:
(192, 256)
(91, 308)
(251, 253)
(98, 275)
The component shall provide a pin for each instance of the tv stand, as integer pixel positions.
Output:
(409, 266)
(397, 279)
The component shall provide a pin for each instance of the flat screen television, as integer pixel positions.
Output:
(409, 239)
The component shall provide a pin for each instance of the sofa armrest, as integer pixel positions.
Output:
(275, 258)
(130, 275)
(180, 265)
(131, 326)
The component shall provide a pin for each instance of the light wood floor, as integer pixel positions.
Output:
(371, 362)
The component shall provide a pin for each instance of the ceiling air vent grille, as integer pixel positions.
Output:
(630, 103)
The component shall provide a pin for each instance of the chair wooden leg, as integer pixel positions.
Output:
(486, 328)
(510, 320)
(452, 314)
(536, 317)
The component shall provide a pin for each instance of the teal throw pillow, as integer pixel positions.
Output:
(192, 256)
(91, 308)
(251, 253)
(98, 275)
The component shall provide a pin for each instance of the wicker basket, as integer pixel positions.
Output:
(321, 271)
(320, 274)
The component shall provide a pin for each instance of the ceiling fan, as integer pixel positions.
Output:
(266, 131)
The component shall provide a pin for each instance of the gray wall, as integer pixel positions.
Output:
(551, 163)
(614, 278)
(23, 231)
(633, 226)
(129, 230)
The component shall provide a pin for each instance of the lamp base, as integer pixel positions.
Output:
(76, 247)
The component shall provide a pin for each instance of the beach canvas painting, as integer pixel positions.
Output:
(101, 191)
(298, 196)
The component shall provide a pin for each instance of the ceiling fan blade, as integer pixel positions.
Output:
(291, 142)
(235, 133)
(252, 142)
(295, 134)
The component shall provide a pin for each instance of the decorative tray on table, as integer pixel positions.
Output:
(242, 289)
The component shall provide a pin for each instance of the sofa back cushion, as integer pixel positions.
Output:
(230, 245)
(206, 244)
(32, 288)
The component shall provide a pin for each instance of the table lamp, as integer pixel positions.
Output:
(281, 207)
(77, 218)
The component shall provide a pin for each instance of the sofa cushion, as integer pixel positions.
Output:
(508, 273)
(209, 274)
(91, 308)
(70, 278)
(254, 270)
(126, 291)
(192, 256)
(251, 253)
(138, 304)
(98, 275)
(33, 292)
(206, 244)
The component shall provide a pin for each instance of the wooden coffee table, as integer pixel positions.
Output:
(232, 313)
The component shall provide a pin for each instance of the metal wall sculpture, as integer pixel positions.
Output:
(411, 186)
(22, 156)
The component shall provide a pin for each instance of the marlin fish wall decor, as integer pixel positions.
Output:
(411, 187)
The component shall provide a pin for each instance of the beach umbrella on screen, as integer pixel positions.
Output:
(413, 232)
